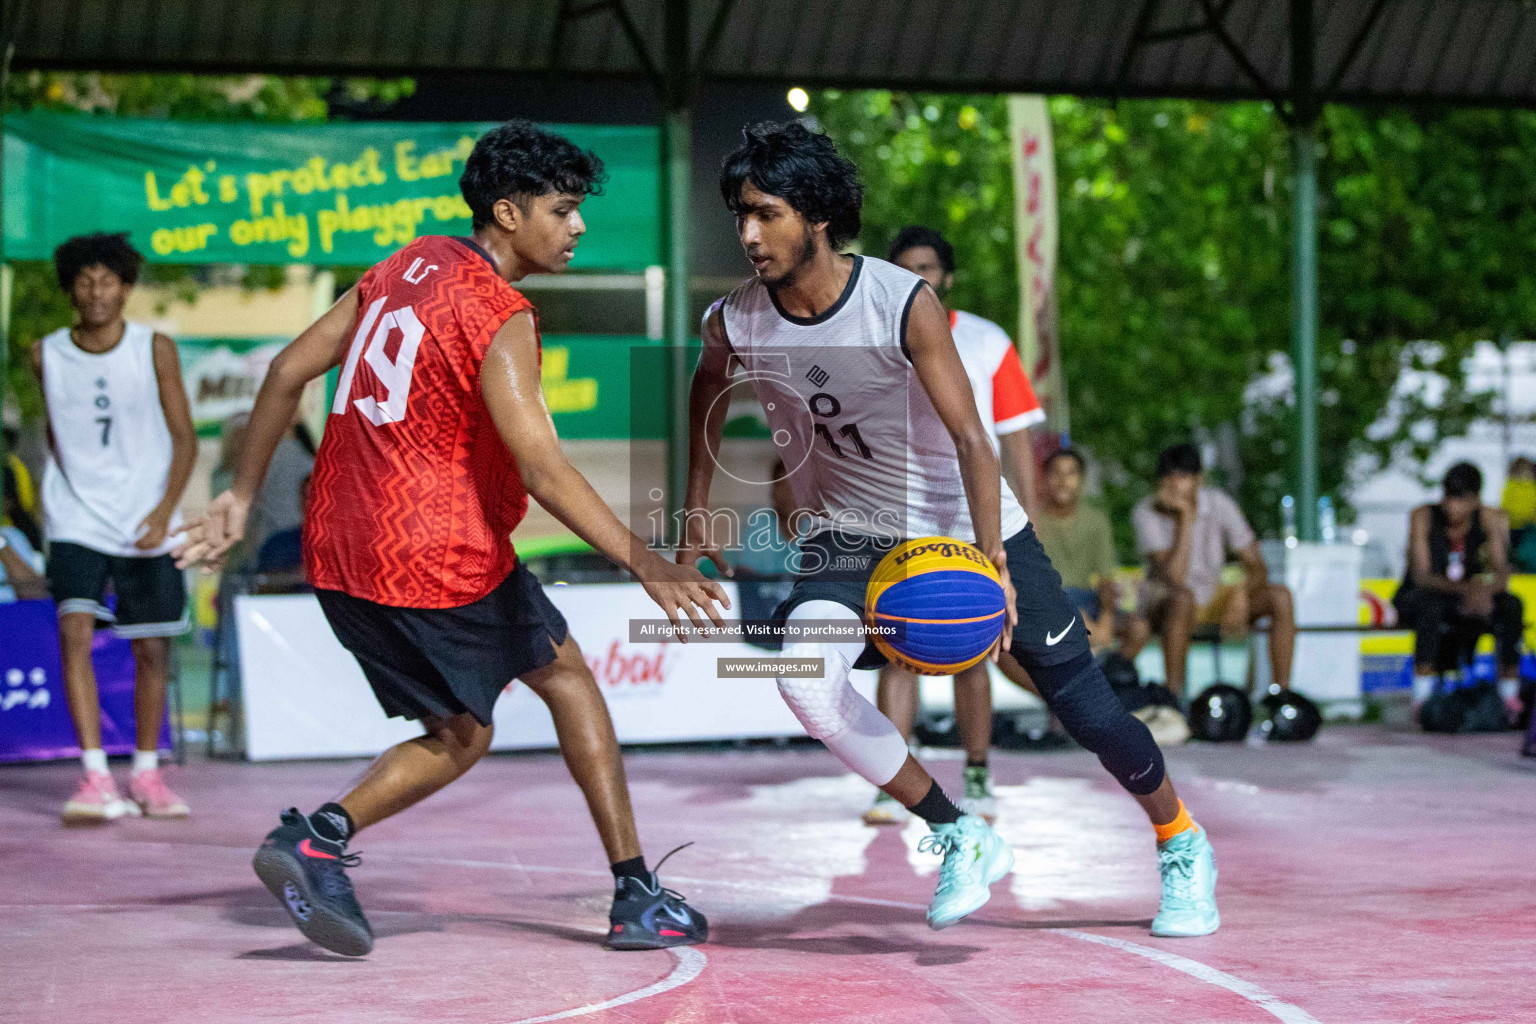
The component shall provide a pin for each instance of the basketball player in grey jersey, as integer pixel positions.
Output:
(121, 448)
(889, 447)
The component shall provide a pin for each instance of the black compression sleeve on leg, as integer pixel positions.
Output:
(1081, 698)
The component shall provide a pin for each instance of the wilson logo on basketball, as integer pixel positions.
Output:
(948, 550)
(632, 665)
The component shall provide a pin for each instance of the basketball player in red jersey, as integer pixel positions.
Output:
(437, 436)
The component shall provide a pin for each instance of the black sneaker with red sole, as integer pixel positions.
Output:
(307, 874)
(646, 915)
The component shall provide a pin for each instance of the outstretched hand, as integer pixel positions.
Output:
(210, 538)
(682, 588)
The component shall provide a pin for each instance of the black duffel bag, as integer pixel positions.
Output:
(1476, 708)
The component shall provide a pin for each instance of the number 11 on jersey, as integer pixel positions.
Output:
(824, 405)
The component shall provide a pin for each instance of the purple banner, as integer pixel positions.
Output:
(34, 716)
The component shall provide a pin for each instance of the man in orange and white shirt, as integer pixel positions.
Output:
(1008, 408)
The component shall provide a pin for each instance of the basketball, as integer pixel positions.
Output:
(935, 606)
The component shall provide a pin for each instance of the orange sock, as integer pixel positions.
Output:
(1183, 823)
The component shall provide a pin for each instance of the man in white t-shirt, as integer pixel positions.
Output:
(121, 448)
(1186, 532)
(1008, 407)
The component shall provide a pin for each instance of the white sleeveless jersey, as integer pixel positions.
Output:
(111, 454)
(864, 447)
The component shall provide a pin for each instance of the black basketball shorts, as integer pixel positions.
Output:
(151, 591)
(441, 662)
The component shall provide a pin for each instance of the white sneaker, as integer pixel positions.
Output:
(886, 810)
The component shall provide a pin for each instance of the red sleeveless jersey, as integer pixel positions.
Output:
(414, 495)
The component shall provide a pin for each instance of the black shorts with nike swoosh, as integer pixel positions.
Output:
(1051, 642)
(1049, 631)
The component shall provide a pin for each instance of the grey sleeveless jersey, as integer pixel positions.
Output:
(864, 447)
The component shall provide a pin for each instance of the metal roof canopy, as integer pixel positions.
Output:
(1297, 54)
(1464, 51)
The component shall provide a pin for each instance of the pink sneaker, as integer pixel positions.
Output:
(97, 800)
(150, 793)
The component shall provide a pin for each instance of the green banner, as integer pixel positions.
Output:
(337, 193)
(588, 379)
(222, 376)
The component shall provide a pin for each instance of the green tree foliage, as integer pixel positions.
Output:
(37, 304)
(1174, 274)
(938, 160)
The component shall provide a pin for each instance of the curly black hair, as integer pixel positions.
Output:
(110, 250)
(914, 235)
(801, 167)
(1179, 458)
(518, 160)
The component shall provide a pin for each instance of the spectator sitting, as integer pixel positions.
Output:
(280, 559)
(279, 505)
(1186, 532)
(1458, 576)
(21, 568)
(1519, 505)
(1078, 539)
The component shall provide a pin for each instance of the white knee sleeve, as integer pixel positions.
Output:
(833, 712)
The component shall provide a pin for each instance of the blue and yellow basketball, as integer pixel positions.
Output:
(935, 606)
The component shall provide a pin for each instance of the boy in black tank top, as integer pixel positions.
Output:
(1458, 577)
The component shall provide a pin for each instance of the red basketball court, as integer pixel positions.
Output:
(1365, 878)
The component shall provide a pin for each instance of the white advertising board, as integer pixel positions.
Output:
(305, 696)
(1325, 584)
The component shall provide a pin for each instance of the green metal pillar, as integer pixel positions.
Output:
(1304, 327)
(1305, 109)
(677, 156)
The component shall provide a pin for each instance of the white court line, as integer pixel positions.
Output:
(1206, 973)
(690, 963)
(1265, 1000)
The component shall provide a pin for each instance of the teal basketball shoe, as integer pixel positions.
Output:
(1188, 867)
(974, 858)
